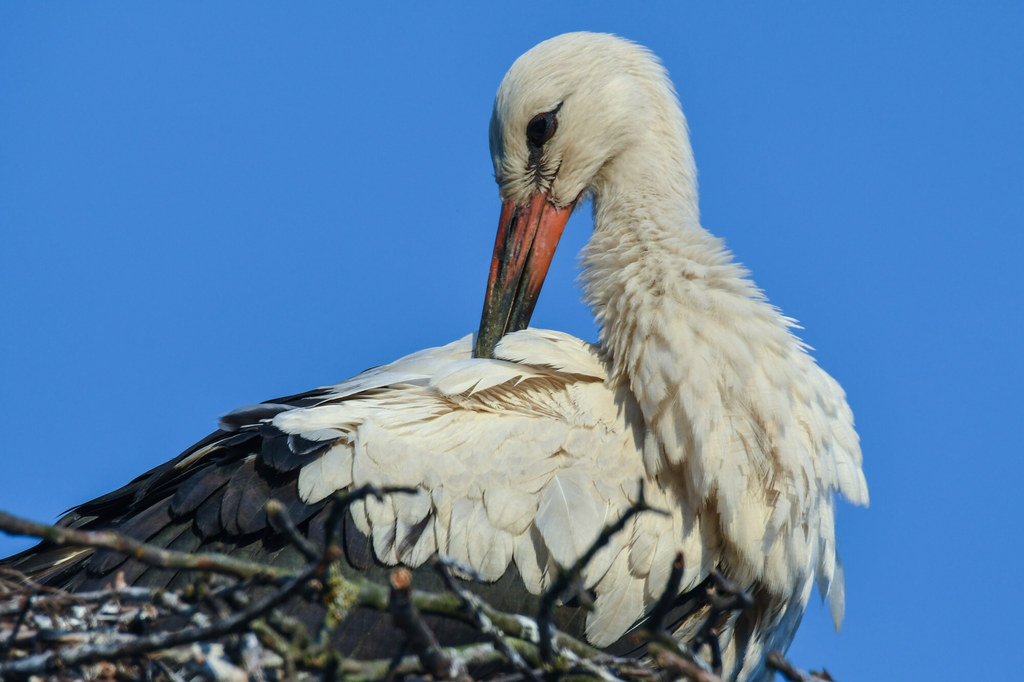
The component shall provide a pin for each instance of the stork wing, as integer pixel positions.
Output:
(520, 461)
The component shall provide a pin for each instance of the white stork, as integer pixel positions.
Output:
(525, 442)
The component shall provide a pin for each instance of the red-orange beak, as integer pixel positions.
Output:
(526, 241)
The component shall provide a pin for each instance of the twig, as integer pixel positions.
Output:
(149, 554)
(158, 596)
(422, 640)
(722, 595)
(171, 675)
(280, 645)
(473, 655)
(284, 524)
(475, 607)
(733, 596)
(656, 618)
(776, 661)
(667, 658)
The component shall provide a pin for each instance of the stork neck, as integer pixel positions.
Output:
(649, 265)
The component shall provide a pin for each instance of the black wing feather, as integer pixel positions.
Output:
(199, 489)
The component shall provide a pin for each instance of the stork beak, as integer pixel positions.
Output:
(526, 241)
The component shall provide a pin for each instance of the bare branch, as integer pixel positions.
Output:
(656, 617)
(475, 607)
(283, 523)
(150, 554)
(776, 661)
(420, 637)
(671, 660)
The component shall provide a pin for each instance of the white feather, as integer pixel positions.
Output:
(619, 603)
(489, 549)
(328, 474)
(556, 350)
(837, 595)
(533, 560)
(568, 517)
(509, 509)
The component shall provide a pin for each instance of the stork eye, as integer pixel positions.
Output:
(541, 128)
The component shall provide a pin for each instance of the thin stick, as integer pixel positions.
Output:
(776, 661)
(149, 554)
(419, 636)
(284, 524)
(656, 618)
(673, 661)
(475, 607)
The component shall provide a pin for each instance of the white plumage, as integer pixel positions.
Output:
(524, 444)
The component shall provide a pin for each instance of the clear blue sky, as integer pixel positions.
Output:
(204, 205)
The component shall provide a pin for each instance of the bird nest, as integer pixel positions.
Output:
(215, 629)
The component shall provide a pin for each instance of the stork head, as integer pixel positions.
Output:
(564, 111)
